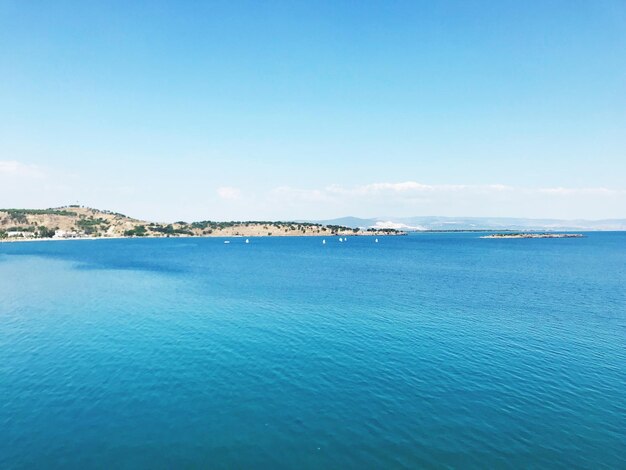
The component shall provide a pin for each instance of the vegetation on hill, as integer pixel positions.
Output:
(139, 231)
(20, 215)
(83, 222)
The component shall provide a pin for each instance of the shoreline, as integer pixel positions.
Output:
(187, 237)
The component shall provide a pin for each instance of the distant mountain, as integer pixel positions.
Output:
(477, 223)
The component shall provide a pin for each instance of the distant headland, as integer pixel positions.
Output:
(72, 222)
(534, 235)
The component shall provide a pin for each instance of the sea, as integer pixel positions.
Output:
(432, 350)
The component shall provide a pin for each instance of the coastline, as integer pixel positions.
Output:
(184, 237)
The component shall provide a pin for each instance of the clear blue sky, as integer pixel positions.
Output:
(228, 110)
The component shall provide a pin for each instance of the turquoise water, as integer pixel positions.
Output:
(432, 350)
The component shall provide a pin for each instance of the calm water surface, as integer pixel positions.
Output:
(432, 350)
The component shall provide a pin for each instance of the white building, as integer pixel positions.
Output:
(19, 234)
(64, 234)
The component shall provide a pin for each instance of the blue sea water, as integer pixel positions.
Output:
(431, 350)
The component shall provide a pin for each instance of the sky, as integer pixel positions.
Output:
(260, 110)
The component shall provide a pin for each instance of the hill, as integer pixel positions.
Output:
(84, 222)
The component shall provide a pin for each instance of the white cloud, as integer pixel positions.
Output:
(414, 198)
(411, 189)
(404, 190)
(229, 193)
(288, 194)
(577, 191)
(12, 168)
(26, 185)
